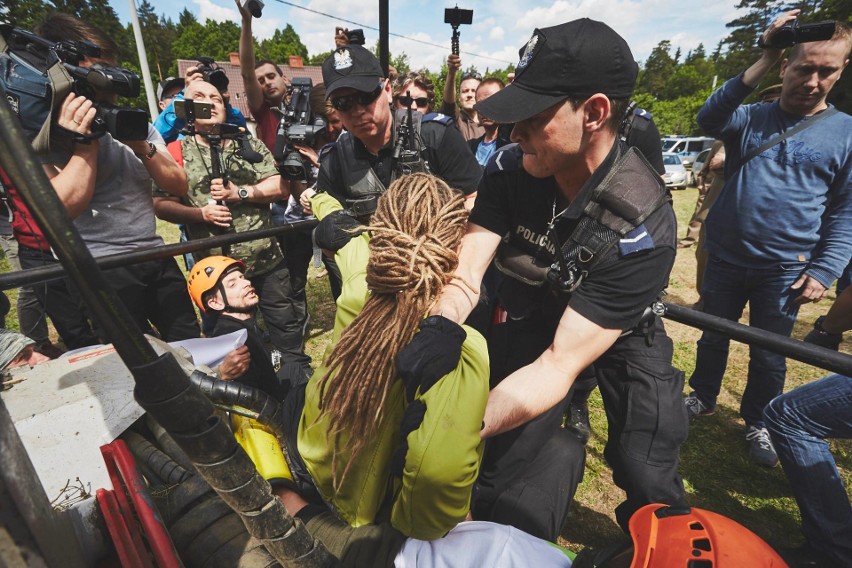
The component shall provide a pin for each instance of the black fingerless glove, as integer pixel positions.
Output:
(336, 230)
(818, 336)
(434, 352)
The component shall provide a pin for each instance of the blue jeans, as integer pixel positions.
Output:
(726, 290)
(799, 422)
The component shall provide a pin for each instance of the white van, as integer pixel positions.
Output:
(687, 148)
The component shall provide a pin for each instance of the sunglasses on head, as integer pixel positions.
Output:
(346, 102)
(421, 102)
(473, 75)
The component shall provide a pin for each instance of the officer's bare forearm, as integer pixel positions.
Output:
(461, 295)
(532, 390)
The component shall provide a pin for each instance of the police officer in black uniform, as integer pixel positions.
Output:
(380, 144)
(584, 232)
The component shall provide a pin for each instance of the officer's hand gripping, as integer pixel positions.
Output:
(434, 352)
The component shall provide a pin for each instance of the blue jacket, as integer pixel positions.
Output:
(790, 204)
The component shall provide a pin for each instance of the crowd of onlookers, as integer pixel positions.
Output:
(772, 230)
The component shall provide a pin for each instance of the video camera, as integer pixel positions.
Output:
(212, 73)
(39, 53)
(299, 125)
(791, 34)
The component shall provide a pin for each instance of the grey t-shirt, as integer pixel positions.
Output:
(120, 216)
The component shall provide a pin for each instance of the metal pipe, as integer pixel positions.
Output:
(53, 272)
(143, 60)
(799, 350)
(384, 35)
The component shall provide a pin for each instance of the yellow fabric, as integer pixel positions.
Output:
(262, 447)
(444, 453)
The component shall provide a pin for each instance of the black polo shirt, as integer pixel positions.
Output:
(446, 151)
(629, 277)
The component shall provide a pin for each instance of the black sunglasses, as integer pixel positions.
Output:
(473, 75)
(346, 102)
(421, 102)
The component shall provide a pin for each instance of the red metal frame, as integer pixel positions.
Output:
(131, 516)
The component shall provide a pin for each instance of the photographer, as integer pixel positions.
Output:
(169, 125)
(369, 156)
(105, 185)
(778, 234)
(213, 205)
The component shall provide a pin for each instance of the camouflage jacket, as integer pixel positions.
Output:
(261, 255)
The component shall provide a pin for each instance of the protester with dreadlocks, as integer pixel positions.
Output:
(378, 446)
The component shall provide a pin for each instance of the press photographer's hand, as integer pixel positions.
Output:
(220, 192)
(193, 74)
(216, 214)
(77, 114)
(305, 201)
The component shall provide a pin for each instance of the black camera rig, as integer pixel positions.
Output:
(792, 34)
(212, 73)
(41, 54)
(299, 125)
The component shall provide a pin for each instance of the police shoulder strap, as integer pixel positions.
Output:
(629, 193)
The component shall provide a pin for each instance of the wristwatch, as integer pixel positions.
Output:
(152, 149)
(243, 193)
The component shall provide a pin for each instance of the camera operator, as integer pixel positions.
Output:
(366, 159)
(778, 233)
(169, 125)
(212, 205)
(105, 185)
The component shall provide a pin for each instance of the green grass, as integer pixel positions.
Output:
(714, 465)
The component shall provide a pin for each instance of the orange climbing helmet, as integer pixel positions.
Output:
(686, 537)
(206, 274)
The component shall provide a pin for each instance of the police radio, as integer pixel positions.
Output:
(406, 150)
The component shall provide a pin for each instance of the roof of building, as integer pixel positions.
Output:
(236, 87)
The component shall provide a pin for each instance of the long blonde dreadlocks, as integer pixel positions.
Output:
(414, 234)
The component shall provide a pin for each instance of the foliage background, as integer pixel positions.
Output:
(671, 85)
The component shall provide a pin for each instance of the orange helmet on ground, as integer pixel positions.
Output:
(687, 537)
(206, 274)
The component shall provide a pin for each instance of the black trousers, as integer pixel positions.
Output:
(285, 319)
(530, 474)
(61, 301)
(155, 293)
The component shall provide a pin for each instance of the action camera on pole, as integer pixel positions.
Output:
(456, 17)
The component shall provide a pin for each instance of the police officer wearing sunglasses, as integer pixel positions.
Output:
(584, 233)
(371, 153)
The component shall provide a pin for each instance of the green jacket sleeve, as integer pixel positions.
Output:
(445, 452)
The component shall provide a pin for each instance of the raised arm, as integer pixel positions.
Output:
(254, 94)
(453, 65)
